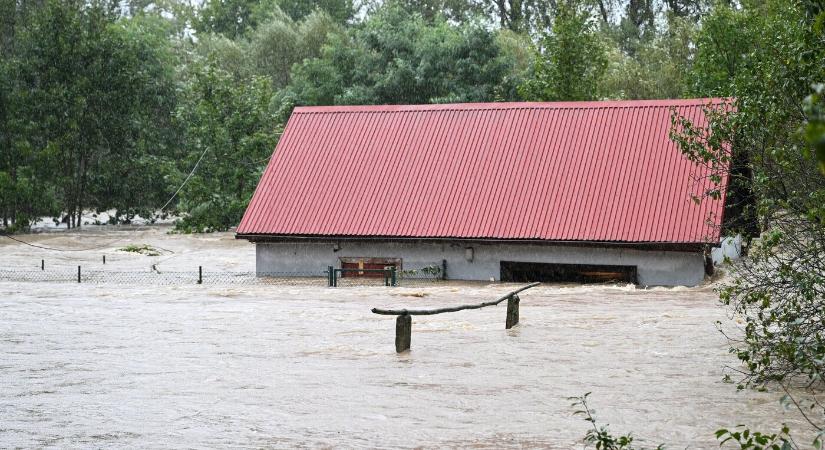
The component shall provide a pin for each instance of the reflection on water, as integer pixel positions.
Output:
(264, 366)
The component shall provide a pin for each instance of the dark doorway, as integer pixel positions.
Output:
(523, 272)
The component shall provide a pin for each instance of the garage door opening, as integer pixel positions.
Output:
(524, 272)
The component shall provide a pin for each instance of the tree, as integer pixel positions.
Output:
(92, 85)
(692, 9)
(237, 18)
(281, 42)
(232, 18)
(522, 16)
(396, 58)
(340, 11)
(658, 66)
(638, 26)
(459, 11)
(722, 49)
(229, 131)
(572, 62)
(779, 290)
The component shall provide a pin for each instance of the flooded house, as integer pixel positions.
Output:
(573, 191)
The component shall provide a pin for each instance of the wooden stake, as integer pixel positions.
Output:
(403, 332)
(78, 274)
(104, 259)
(42, 264)
(200, 274)
(512, 312)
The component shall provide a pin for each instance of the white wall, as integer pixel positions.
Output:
(655, 268)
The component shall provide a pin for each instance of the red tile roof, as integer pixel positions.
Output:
(573, 171)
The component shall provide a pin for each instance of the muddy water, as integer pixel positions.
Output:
(277, 366)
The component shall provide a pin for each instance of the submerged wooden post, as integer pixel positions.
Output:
(104, 259)
(78, 274)
(42, 264)
(403, 321)
(200, 274)
(403, 332)
(512, 312)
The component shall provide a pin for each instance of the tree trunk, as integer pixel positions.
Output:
(14, 204)
(516, 16)
(603, 11)
(81, 194)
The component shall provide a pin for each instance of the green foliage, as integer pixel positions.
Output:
(601, 437)
(638, 26)
(779, 290)
(657, 66)
(280, 43)
(397, 58)
(233, 56)
(236, 18)
(572, 62)
(747, 440)
(230, 130)
(143, 249)
(722, 49)
(232, 18)
(340, 11)
(521, 16)
(458, 11)
(742, 436)
(86, 92)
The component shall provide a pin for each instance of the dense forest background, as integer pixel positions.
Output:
(111, 104)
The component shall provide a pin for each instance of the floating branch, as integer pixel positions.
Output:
(429, 312)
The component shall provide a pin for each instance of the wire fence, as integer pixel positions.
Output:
(168, 278)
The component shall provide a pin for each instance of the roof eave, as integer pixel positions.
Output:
(671, 245)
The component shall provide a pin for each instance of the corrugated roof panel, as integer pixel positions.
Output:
(572, 171)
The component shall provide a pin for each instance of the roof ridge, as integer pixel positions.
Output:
(503, 106)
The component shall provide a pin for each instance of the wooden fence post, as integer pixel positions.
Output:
(104, 259)
(42, 264)
(78, 274)
(403, 320)
(200, 274)
(512, 312)
(403, 332)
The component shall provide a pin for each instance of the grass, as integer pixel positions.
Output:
(143, 249)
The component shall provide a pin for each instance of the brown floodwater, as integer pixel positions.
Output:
(189, 366)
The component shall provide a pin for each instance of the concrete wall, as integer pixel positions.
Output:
(655, 268)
